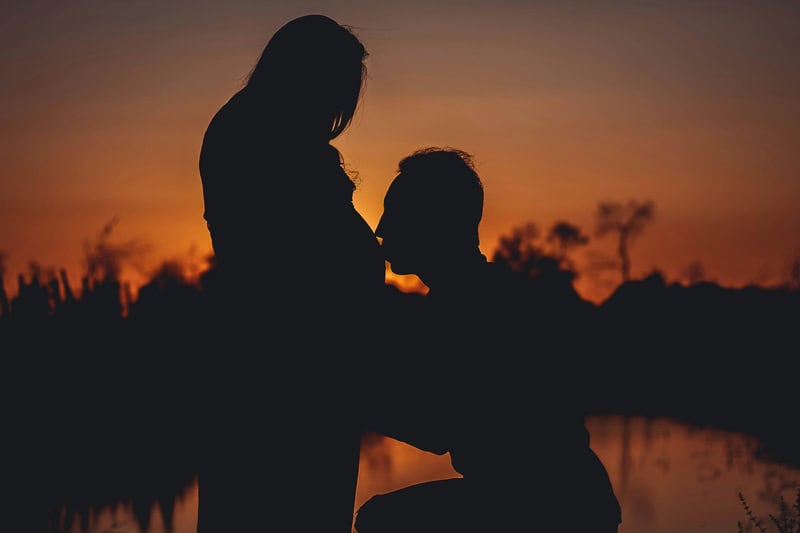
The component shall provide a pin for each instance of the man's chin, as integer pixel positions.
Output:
(397, 268)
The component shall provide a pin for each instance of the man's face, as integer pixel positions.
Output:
(407, 227)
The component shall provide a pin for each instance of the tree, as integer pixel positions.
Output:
(564, 236)
(627, 221)
(4, 303)
(794, 274)
(694, 273)
(519, 250)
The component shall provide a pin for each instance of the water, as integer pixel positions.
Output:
(669, 477)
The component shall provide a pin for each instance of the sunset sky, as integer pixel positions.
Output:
(694, 105)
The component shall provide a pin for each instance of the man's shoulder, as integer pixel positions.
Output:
(548, 294)
(502, 282)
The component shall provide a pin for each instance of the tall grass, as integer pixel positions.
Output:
(787, 520)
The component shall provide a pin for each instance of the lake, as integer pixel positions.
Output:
(668, 475)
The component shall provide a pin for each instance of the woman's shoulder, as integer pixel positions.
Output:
(232, 113)
(234, 136)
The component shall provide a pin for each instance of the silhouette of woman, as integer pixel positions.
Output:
(293, 256)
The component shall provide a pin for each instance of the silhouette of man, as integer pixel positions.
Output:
(502, 384)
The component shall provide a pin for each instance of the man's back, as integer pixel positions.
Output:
(514, 370)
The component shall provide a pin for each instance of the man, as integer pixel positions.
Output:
(495, 374)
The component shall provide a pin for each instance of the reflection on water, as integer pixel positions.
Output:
(669, 477)
(672, 477)
(122, 517)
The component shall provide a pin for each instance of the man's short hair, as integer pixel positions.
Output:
(451, 185)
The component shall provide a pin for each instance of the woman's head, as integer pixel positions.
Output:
(311, 72)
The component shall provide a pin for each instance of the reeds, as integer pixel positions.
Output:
(787, 520)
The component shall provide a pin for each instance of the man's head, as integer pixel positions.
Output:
(431, 211)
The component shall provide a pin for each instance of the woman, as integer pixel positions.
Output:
(295, 264)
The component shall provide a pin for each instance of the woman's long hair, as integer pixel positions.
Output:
(310, 76)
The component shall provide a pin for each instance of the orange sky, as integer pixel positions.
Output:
(694, 105)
